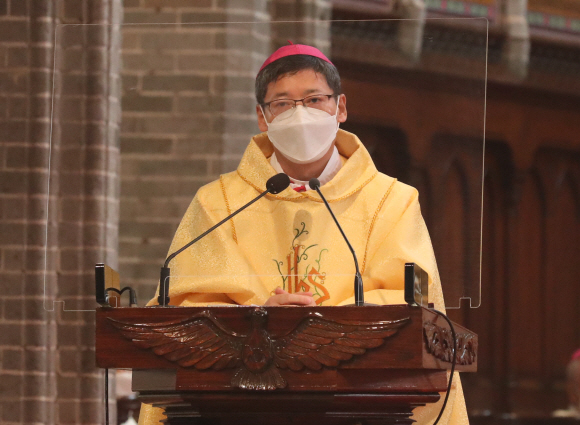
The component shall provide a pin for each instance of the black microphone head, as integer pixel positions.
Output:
(277, 183)
(314, 183)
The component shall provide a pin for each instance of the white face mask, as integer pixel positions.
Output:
(304, 135)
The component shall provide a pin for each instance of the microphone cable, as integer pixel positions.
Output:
(106, 396)
(132, 294)
(132, 303)
(453, 362)
(359, 294)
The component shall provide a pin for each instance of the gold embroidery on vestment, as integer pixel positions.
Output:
(228, 209)
(376, 214)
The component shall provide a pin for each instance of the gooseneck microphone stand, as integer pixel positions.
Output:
(359, 299)
(274, 185)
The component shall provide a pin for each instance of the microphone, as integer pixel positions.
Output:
(274, 185)
(358, 283)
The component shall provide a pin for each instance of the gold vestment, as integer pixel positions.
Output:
(289, 240)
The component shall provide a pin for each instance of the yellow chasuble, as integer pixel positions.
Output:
(290, 241)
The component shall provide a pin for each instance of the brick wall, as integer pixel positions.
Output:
(188, 108)
(51, 239)
(188, 114)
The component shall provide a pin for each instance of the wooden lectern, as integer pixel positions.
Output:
(284, 365)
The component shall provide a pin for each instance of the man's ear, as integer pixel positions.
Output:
(261, 119)
(341, 115)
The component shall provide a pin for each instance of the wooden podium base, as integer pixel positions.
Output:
(290, 409)
(284, 365)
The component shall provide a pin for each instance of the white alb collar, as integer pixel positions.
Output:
(332, 168)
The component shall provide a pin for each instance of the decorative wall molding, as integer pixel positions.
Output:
(464, 8)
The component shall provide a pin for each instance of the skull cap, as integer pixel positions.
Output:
(294, 49)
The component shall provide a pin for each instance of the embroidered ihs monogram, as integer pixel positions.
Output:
(301, 270)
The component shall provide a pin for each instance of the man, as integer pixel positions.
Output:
(285, 249)
(572, 389)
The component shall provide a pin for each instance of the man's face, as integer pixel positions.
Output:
(297, 86)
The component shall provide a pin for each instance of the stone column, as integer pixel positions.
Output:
(188, 114)
(306, 28)
(58, 204)
(411, 28)
(516, 51)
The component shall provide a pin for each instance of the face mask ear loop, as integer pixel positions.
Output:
(264, 115)
(336, 113)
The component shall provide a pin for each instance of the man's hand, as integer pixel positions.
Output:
(281, 297)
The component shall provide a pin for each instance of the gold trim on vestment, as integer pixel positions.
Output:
(228, 209)
(307, 195)
(375, 216)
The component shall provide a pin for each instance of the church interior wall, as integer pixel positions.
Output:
(127, 156)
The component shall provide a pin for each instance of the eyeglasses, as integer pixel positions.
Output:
(317, 101)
